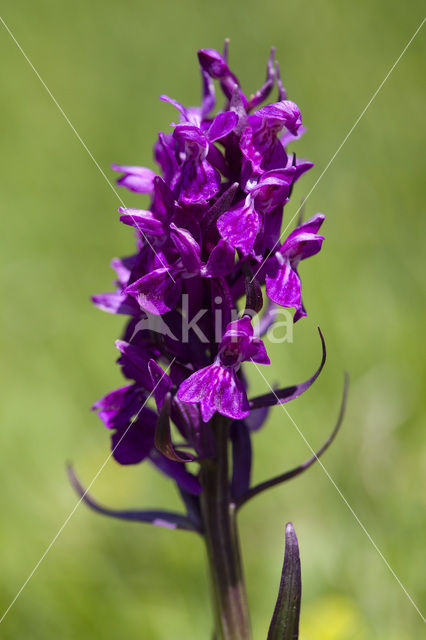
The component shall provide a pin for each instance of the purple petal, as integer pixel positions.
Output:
(117, 407)
(135, 362)
(188, 249)
(240, 226)
(223, 124)
(157, 292)
(190, 139)
(137, 179)
(165, 156)
(257, 352)
(304, 242)
(312, 225)
(163, 203)
(133, 443)
(273, 188)
(216, 388)
(238, 344)
(216, 66)
(183, 112)
(221, 261)
(123, 268)
(143, 221)
(116, 302)
(137, 171)
(199, 182)
(213, 63)
(281, 114)
(302, 166)
(301, 246)
(260, 146)
(283, 285)
(242, 326)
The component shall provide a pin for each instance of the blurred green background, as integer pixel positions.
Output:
(106, 63)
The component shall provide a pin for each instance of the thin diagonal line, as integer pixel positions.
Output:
(79, 138)
(345, 139)
(101, 468)
(344, 499)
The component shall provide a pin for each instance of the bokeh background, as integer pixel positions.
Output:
(106, 63)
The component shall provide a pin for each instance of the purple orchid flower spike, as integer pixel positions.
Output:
(208, 259)
(218, 387)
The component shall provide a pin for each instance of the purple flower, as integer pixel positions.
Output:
(241, 225)
(283, 284)
(260, 143)
(137, 179)
(133, 438)
(216, 67)
(218, 387)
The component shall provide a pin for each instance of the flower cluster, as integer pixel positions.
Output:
(206, 246)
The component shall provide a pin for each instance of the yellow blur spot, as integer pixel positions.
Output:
(332, 618)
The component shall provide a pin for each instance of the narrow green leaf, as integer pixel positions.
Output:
(285, 620)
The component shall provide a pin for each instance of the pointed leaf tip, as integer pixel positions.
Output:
(285, 620)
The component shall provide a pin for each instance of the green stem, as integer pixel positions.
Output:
(221, 535)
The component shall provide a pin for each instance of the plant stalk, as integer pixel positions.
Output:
(221, 536)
